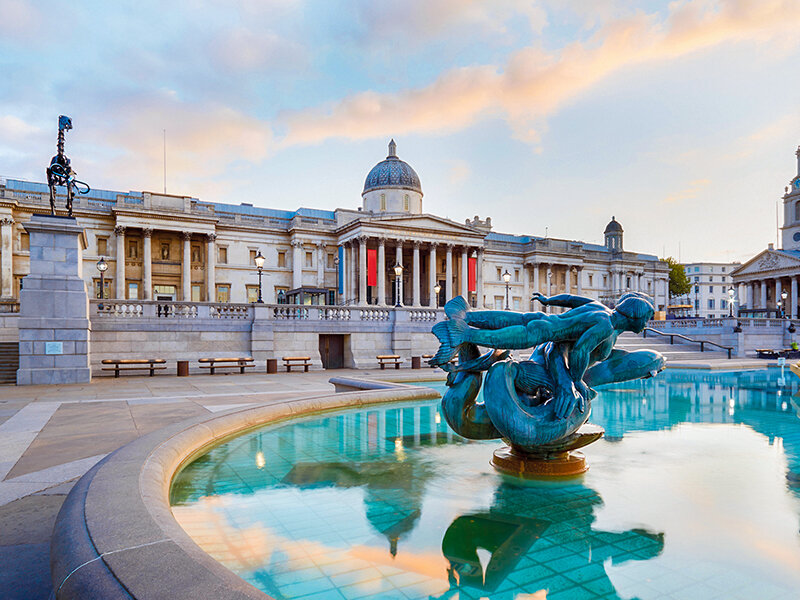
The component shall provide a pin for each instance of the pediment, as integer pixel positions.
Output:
(766, 262)
(430, 222)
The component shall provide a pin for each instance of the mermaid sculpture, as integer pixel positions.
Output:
(540, 405)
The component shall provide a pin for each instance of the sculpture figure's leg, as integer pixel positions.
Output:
(455, 332)
(624, 366)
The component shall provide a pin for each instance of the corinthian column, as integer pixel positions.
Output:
(465, 274)
(297, 264)
(119, 232)
(432, 275)
(147, 265)
(362, 270)
(479, 279)
(6, 266)
(448, 283)
(381, 272)
(211, 268)
(416, 275)
(186, 267)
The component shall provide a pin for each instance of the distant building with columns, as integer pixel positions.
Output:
(762, 280)
(180, 248)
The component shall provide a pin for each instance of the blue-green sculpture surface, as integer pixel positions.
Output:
(537, 405)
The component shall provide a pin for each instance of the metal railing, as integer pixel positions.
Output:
(672, 336)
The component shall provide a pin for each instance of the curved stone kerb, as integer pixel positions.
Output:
(115, 536)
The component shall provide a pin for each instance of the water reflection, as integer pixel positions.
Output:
(389, 503)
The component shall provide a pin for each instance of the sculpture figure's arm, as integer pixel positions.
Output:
(582, 349)
(566, 300)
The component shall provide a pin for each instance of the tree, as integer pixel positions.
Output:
(679, 283)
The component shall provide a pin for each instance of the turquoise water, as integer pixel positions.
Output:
(693, 493)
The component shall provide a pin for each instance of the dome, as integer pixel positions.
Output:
(392, 173)
(613, 227)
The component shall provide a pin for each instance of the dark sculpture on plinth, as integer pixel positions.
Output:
(539, 406)
(60, 171)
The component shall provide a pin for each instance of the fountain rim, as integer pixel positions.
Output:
(116, 537)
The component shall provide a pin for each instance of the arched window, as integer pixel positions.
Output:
(383, 201)
(405, 202)
(797, 211)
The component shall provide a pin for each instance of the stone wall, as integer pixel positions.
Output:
(9, 327)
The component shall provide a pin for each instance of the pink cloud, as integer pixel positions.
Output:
(534, 83)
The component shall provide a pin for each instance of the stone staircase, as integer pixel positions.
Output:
(9, 362)
(679, 352)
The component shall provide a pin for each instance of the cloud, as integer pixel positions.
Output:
(242, 49)
(203, 140)
(690, 192)
(534, 83)
(459, 171)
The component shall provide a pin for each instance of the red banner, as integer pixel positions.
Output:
(473, 274)
(372, 266)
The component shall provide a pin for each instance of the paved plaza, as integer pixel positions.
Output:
(51, 435)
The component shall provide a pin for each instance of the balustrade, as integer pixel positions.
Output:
(422, 315)
(375, 314)
(289, 311)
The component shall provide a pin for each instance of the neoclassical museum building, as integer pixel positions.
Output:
(166, 247)
(768, 283)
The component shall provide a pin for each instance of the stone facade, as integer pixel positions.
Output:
(768, 282)
(179, 248)
(709, 297)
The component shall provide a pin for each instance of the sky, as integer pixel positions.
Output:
(680, 118)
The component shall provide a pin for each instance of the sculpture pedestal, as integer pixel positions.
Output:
(54, 305)
(553, 460)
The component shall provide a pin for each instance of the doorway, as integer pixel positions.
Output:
(331, 351)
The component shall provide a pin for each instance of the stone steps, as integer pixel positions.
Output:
(678, 352)
(9, 362)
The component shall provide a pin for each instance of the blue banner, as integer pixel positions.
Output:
(341, 270)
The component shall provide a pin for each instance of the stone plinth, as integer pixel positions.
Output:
(54, 305)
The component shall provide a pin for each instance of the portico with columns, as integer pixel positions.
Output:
(761, 281)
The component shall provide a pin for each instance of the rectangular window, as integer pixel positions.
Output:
(133, 249)
(224, 292)
(280, 294)
(499, 273)
(133, 290)
(723, 303)
(282, 258)
(605, 281)
(697, 289)
(331, 265)
(222, 255)
(711, 289)
(383, 202)
(516, 275)
(517, 302)
(711, 303)
(252, 257)
(197, 293)
(252, 293)
(628, 282)
(106, 285)
(723, 269)
(498, 302)
(590, 280)
(309, 259)
(102, 246)
(405, 203)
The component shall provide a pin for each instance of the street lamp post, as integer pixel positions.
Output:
(398, 273)
(784, 295)
(259, 260)
(436, 289)
(507, 278)
(102, 266)
(730, 301)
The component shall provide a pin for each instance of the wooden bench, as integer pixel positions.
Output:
(296, 361)
(766, 353)
(426, 358)
(133, 364)
(389, 359)
(240, 363)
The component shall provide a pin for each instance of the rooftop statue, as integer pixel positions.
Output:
(60, 170)
(539, 405)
